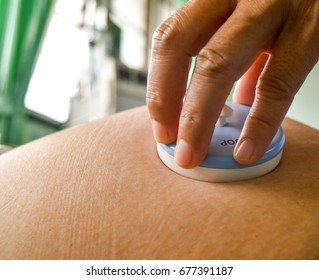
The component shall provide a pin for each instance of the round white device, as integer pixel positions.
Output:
(219, 164)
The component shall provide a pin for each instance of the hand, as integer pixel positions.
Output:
(271, 45)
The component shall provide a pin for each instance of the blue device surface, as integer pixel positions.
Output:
(219, 164)
(225, 137)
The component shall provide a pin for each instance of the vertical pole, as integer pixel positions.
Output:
(22, 27)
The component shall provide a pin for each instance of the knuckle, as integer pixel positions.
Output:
(263, 122)
(274, 96)
(196, 127)
(153, 100)
(275, 89)
(167, 34)
(158, 106)
(152, 97)
(211, 61)
(189, 120)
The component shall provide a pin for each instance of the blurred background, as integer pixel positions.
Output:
(63, 63)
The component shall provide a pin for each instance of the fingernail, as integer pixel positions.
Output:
(245, 151)
(183, 153)
(160, 132)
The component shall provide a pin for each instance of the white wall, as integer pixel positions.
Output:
(305, 107)
(130, 16)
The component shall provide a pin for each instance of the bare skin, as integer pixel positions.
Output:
(271, 46)
(99, 191)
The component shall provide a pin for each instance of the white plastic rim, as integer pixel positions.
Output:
(219, 175)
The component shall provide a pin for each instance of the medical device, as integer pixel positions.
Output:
(219, 164)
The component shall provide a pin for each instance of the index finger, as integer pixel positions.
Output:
(174, 43)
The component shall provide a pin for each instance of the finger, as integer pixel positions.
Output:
(174, 43)
(230, 52)
(244, 92)
(290, 62)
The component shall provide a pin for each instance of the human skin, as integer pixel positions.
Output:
(270, 46)
(99, 191)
